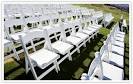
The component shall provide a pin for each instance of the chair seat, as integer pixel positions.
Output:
(112, 72)
(119, 39)
(116, 59)
(84, 77)
(7, 43)
(123, 33)
(92, 29)
(74, 40)
(120, 35)
(94, 26)
(82, 35)
(48, 27)
(97, 25)
(118, 43)
(118, 50)
(36, 29)
(95, 78)
(61, 47)
(15, 36)
(88, 32)
(43, 57)
(113, 59)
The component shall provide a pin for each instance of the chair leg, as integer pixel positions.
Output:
(96, 34)
(15, 52)
(56, 66)
(26, 66)
(89, 40)
(69, 57)
(84, 45)
(32, 69)
(78, 49)
(93, 37)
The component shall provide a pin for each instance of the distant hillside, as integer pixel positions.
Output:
(124, 7)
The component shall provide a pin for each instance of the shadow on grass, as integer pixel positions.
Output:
(110, 25)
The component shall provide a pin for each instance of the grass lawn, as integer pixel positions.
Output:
(72, 70)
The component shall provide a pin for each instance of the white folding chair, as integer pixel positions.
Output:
(92, 27)
(116, 33)
(97, 16)
(114, 41)
(103, 70)
(114, 48)
(72, 24)
(78, 33)
(85, 30)
(60, 46)
(110, 72)
(41, 58)
(107, 19)
(110, 57)
(71, 39)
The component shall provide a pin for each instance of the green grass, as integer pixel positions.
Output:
(104, 31)
(14, 70)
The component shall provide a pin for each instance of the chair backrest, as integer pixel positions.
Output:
(95, 65)
(12, 23)
(108, 40)
(102, 49)
(108, 17)
(124, 23)
(29, 37)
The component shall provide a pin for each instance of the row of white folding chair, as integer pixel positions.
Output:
(28, 9)
(21, 21)
(15, 36)
(31, 10)
(58, 46)
(32, 19)
(114, 50)
(108, 55)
